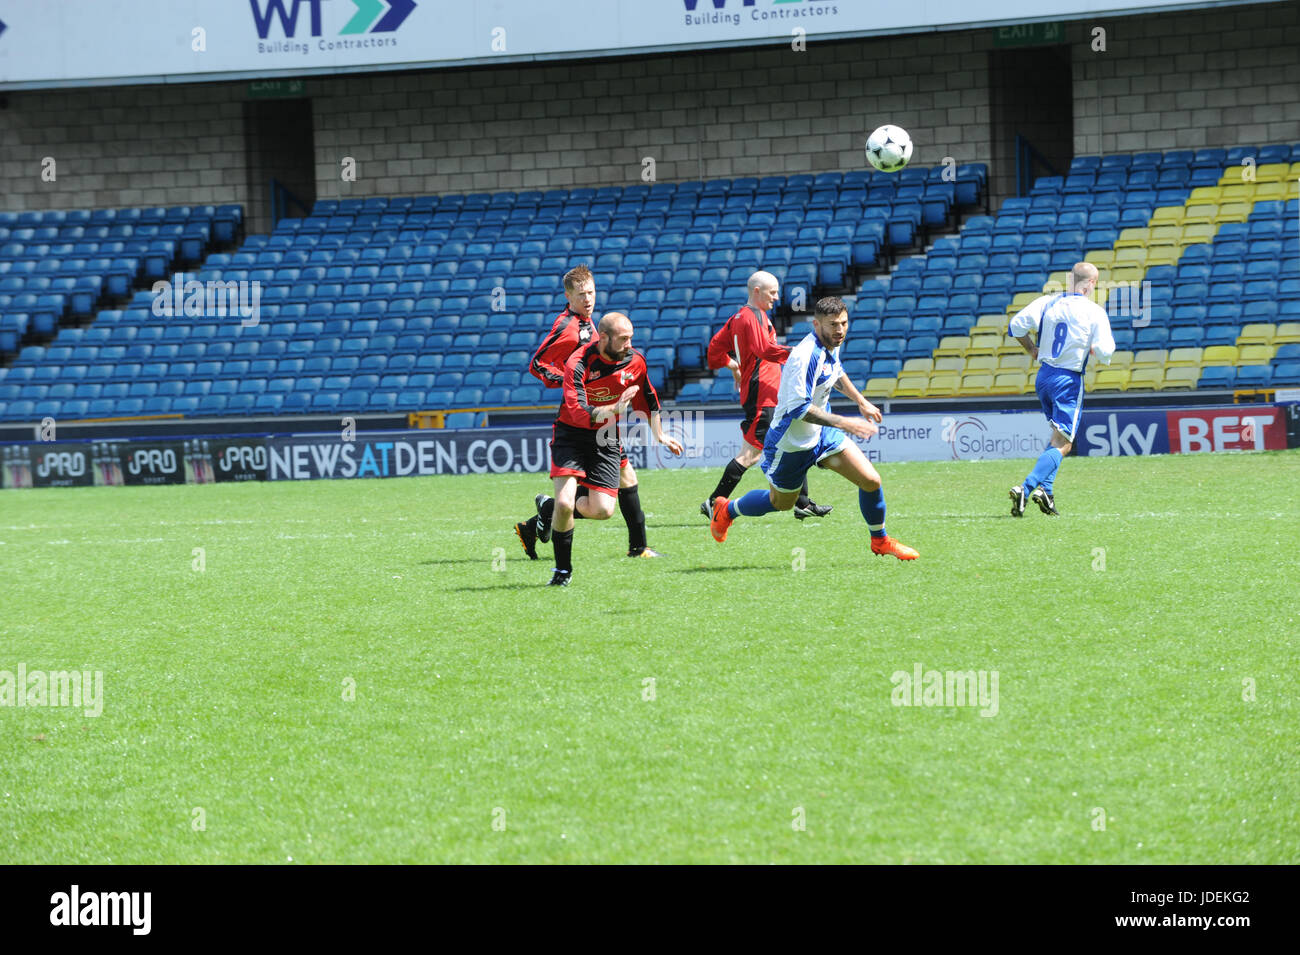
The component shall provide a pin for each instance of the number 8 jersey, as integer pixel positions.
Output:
(1069, 327)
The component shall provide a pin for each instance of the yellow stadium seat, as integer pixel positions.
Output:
(1201, 212)
(1145, 379)
(1102, 258)
(879, 387)
(1164, 235)
(1205, 194)
(1184, 358)
(1257, 333)
(1234, 212)
(943, 383)
(1288, 333)
(952, 345)
(911, 386)
(1263, 191)
(1220, 355)
(975, 385)
(1239, 192)
(1057, 282)
(1182, 376)
(917, 366)
(950, 362)
(1150, 357)
(1121, 359)
(1163, 255)
(1168, 215)
(1198, 232)
(1111, 379)
(1020, 301)
(1132, 237)
(1272, 172)
(986, 363)
(1014, 362)
(983, 343)
(1130, 273)
(1129, 256)
(1008, 383)
(1031, 383)
(998, 322)
(1295, 171)
(1255, 354)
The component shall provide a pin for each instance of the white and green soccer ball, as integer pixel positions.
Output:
(889, 148)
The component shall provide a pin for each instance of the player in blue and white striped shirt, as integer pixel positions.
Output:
(804, 434)
(1070, 327)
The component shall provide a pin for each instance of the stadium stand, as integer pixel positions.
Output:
(406, 304)
(418, 303)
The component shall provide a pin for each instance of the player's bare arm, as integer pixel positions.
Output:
(845, 387)
(858, 427)
(668, 441)
(1028, 345)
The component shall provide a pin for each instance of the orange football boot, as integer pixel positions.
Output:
(721, 519)
(888, 545)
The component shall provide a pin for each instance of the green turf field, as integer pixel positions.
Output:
(1122, 634)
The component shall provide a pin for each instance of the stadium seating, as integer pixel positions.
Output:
(436, 303)
(369, 291)
(1219, 267)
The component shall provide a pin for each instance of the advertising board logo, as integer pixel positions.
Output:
(152, 461)
(370, 16)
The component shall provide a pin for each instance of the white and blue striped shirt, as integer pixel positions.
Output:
(806, 381)
(1069, 327)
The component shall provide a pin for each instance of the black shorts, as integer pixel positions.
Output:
(755, 428)
(576, 452)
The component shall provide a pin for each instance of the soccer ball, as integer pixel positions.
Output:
(889, 148)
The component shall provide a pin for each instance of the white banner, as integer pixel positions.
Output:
(69, 42)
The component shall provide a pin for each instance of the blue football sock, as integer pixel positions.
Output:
(756, 503)
(1044, 471)
(872, 505)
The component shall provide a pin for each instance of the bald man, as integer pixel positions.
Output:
(1070, 327)
(747, 345)
(602, 380)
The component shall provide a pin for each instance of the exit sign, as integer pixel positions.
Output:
(276, 89)
(1029, 34)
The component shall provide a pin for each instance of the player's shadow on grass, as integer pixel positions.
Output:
(535, 585)
(456, 560)
(714, 570)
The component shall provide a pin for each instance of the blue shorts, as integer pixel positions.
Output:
(786, 469)
(1060, 392)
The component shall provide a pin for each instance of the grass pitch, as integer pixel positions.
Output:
(698, 708)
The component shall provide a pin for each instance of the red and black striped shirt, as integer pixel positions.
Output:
(592, 382)
(570, 332)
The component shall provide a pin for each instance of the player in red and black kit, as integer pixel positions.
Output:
(747, 345)
(602, 379)
(572, 330)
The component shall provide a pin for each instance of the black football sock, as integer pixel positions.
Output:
(629, 502)
(730, 478)
(563, 541)
(803, 500)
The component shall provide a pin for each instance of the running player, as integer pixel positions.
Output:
(805, 433)
(1072, 326)
(747, 345)
(572, 330)
(602, 379)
